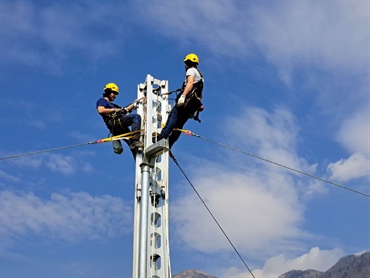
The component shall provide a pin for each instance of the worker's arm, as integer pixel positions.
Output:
(187, 90)
(130, 107)
(105, 111)
(189, 85)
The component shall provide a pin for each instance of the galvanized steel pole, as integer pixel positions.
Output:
(143, 243)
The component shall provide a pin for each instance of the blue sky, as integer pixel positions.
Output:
(285, 80)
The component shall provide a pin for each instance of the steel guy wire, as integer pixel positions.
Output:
(188, 132)
(43, 151)
(104, 140)
(214, 218)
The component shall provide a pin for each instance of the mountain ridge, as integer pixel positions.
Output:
(350, 266)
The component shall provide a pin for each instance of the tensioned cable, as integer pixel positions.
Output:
(214, 218)
(43, 151)
(127, 135)
(188, 132)
(104, 140)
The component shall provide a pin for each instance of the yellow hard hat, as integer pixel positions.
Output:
(192, 57)
(112, 86)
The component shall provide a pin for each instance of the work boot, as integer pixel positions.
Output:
(136, 144)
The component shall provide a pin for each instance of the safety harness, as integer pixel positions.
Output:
(193, 104)
(113, 120)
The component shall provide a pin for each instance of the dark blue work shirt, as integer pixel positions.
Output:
(105, 103)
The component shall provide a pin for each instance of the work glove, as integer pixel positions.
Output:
(181, 101)
(120, 111)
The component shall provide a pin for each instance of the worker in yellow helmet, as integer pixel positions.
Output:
(118, 119)
(188, 102)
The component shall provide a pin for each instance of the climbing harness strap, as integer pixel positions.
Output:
(113, 120)
(193, 104)
(128, 135)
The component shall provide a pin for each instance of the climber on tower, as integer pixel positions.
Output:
(188, 102)
(118, 119)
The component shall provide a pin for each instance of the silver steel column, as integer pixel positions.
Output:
(151, 226)
(143, 243)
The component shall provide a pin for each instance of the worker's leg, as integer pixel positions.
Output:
(170, 124)
(181, 120)
(133, 120)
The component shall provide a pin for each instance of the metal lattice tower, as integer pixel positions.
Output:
(151, 258)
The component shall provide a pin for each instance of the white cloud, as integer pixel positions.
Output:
(272, 136)
(216, 29)
(354, 133)
(255, 212)
(61, 163)
(88, 168)
(70, 217)
(356, 166)
(329, 35)
(69, 164)
(28, 161)
(56, 162)
(317, 259)
(333, 35)
(263, 199)
(44, 35)
(315, 187)
(9, 177)
(83, 137)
